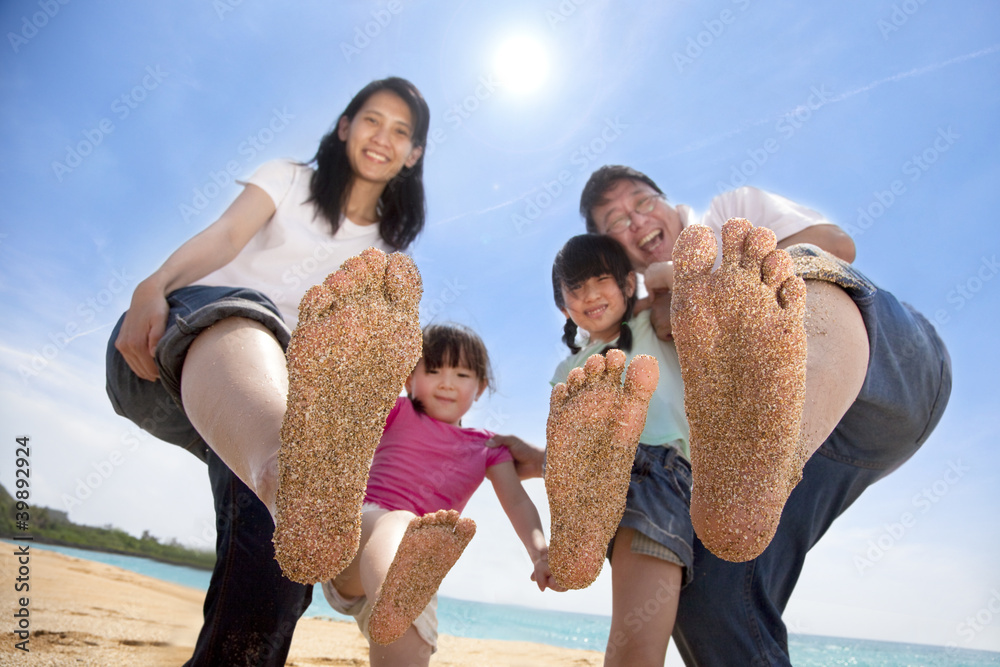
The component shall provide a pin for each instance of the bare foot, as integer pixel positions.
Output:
(357, 339)
(592, 433)
(431, 546)
(742, 347)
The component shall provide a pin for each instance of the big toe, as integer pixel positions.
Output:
(315, 303)
(403, 286)
(465, 530)
(694, 252)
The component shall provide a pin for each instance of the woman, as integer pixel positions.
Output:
(218, 313)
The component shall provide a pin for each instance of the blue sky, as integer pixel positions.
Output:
(125, 122)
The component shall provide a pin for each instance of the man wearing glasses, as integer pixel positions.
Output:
(877, 379)
(627, 205)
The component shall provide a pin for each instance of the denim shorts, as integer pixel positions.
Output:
(156, 407)
(731, 612)
(658, 506)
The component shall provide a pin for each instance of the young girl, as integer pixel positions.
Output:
(219, 311)
(651, 553)
(424, 471)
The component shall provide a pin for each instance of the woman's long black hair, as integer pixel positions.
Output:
(401, 206)
(588, 256)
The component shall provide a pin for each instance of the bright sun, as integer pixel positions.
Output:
(521, 64)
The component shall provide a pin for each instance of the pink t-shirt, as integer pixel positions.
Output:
(424, 465)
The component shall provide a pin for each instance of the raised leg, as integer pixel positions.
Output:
(357, 340)
(592, 434)
(430, 547)
(755, 420)
(234, 387)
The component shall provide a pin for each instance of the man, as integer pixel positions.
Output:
(876, 382)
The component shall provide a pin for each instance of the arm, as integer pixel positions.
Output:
(830, 238)
(524, 517)
(210, 249)
(528, 459)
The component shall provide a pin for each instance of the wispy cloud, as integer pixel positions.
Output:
(901, 76)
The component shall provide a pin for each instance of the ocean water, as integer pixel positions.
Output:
(463, 618)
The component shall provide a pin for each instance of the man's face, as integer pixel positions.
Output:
(650, 236)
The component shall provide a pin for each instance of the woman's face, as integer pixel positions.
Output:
(379, 139)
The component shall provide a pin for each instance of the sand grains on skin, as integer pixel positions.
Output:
(430, 547)
(357, 340)
(592, 433)
(741, 342)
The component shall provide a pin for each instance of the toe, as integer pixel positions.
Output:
(614, 361)
(594, 368)
(642, 377)
(734, 234)
(792, 296)
(465, 529)
(365, 272)
(402, 281)
(316, 302)
(558, 397)
(576, 378)
(776, 268)
(759, 243)
(694, 252)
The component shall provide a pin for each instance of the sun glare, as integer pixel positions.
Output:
(521, 64)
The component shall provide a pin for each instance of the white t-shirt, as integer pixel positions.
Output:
(764, 209)
(666, 423)
(294, 250)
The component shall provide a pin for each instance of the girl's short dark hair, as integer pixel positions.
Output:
(456, 346)
(401, 207)
(588, 256)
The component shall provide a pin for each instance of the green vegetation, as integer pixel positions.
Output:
(53, 527)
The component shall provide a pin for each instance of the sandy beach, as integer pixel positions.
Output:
(87, 613)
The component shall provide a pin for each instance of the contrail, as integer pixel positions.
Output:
(919, 71)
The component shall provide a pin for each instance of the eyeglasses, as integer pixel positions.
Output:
(644, 206)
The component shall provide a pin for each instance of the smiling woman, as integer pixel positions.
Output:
(522, 64)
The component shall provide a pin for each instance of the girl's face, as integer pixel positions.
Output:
(446, 393)
(379, 138)
(598, 305)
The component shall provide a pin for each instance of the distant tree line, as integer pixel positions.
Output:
(51, 526)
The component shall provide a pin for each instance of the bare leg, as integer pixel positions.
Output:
(409, 650)
(234, 388)
(357, 340)
(645, 591)
(742, 341)
(381, 534)
(430, 547)
(592, 434)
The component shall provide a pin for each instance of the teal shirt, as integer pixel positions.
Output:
(665, 420)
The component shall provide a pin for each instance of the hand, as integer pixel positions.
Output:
(142, 329)
(659, 280)
(543, 575)
(528, 459)
(659, 276)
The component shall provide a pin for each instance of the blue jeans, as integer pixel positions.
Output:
(250, 608)
(731, 613)
(658, 504)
